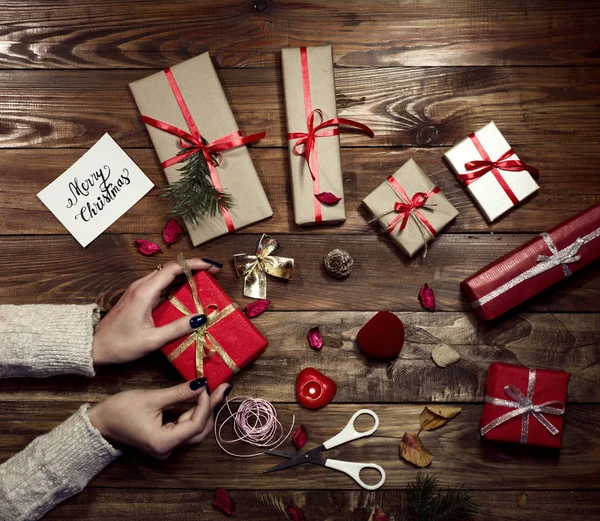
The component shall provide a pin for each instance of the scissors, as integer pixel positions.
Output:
(347, 434)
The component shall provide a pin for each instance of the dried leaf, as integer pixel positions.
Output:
(444, 355)
(147, 248)
(315, 339)
(258, 307)
(328, 198)
(295, 513)
(378, 515)
(300, 437)
(413, 451)
(171, 232)
(223, 502)
(427, 298)
(434, 416)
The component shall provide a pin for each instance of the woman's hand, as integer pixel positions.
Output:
(135, 417)
(128, 332)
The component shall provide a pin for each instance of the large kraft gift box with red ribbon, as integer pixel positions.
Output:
(524, 405)
(410, 208)
(221, 347)
(313, 135)
(180, 106)
(492, 172)
(547, 259)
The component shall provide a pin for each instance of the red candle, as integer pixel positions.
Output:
(314, 389)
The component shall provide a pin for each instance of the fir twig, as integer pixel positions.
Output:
(425, 502)
(194, 196)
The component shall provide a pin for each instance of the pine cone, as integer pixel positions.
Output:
(338, 263)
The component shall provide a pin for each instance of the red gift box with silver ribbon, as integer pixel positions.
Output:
(542, 262)
(524, 405)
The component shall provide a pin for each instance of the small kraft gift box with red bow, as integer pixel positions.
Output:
(410, 208)
(524, 405)
(227, 342)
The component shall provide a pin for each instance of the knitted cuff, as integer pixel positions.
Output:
(45, 340)
(78, 449)
(52, 468)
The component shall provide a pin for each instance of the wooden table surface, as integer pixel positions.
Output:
(423, 75)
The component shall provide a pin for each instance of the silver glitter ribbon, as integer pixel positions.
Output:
(523, 405)
(544, 263)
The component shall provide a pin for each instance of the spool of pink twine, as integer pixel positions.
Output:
(255, 422)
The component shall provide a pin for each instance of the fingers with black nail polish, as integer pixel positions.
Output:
(214, 263)
(197, 384)
(197, 321)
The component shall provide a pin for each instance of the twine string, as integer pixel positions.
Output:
(255, 422)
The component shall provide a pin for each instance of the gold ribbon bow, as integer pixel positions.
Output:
(206, 344)
(254, 268)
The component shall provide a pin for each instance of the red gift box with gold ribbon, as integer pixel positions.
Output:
(524, 405)
(221, 347)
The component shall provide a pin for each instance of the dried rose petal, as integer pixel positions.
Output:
(328, 198)
(171, 232)
(253, 309)
(147, 247)
(223, 502)
(427, 298)
(300, 437)
(295, 513)
(378, 515)
(315, 339)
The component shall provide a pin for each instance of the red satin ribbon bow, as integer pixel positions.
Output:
(479, 168)
(407, 205)
(308, 140)
(192, 141)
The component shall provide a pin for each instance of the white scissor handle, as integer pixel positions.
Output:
(353, 470)
(349, 433)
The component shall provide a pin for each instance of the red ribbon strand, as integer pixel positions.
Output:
(407, 205)
(479, 168)
(192, 142)
(308, 139)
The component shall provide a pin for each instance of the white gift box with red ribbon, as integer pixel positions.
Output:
(497, 190)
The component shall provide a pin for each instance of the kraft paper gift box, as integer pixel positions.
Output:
(510, 390)
(545, 260)
(203, 95)
(309, 102)
(500, 179)
(430, 212)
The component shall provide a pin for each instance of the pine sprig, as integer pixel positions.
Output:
(425, 502)
(194, 196)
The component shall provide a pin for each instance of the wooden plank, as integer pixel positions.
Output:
(195, 505)
(570, 182)
(455, 447)
(55, 269)
(566, 341)
(146, 33)
(429, 106)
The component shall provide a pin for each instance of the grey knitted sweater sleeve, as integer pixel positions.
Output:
(39, 341)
